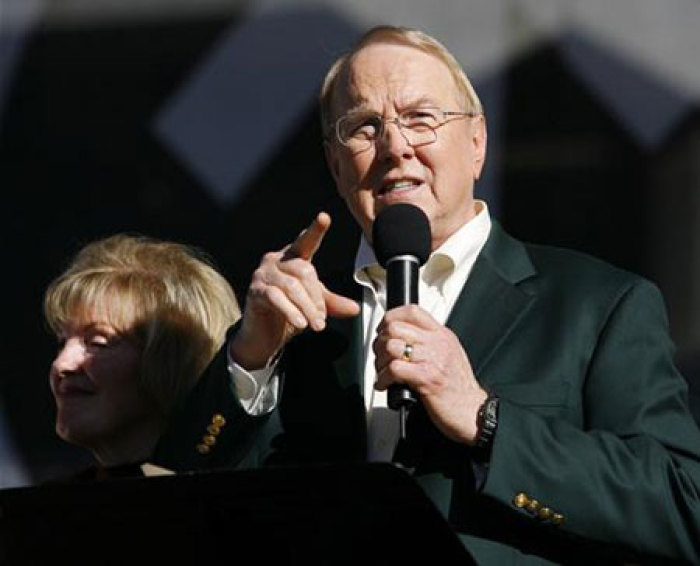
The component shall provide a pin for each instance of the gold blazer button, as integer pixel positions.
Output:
(521, 500)
(557, 519)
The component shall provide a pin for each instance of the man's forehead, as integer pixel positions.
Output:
(407, 75)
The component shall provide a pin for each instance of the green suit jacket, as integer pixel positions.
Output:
(596, 457)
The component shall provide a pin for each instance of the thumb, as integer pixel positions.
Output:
(339, 306)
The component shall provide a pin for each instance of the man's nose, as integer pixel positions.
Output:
(70, 357)
(393, 143)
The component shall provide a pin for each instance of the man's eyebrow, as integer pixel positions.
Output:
(360, 108)
(421, 101)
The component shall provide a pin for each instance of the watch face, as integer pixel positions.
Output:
(492, 409)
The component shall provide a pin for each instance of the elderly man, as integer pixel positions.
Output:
(551, 421)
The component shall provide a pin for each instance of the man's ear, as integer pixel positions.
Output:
(332, 160)
(479, 139)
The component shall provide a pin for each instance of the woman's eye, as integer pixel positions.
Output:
(99, 341)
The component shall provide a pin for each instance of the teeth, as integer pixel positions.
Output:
(398, 185)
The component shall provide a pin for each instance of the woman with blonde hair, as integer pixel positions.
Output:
(138, 321)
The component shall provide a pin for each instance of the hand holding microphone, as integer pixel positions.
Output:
(417, 356)
(401, 240)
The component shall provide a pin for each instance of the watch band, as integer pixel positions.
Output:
(487, 422)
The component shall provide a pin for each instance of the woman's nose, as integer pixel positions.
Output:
(70, 357)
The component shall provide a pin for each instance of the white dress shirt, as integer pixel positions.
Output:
(441, 281)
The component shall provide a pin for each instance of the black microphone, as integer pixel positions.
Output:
(401, 240)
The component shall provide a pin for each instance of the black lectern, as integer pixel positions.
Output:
(353, 514)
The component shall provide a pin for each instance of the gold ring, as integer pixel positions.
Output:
(407, 352)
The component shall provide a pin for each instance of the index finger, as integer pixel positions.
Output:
(409, 314)
(308, 242)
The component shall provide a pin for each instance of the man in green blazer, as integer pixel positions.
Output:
(552, 425)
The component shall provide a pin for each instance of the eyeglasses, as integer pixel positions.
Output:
(358, 131)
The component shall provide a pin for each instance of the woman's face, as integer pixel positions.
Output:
(100, 402)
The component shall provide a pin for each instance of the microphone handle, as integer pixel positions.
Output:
(401, 289)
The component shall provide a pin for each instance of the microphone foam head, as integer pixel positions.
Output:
(401, 229)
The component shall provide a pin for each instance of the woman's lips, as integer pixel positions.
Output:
(66, 387)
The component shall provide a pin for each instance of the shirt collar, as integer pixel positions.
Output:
(460, 249)
(368, 272)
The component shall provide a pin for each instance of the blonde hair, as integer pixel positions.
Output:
(401, 36)
(164, 295)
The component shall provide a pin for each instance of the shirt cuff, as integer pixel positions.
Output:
(257, 390)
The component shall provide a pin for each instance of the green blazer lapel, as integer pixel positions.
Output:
(349, 365)
(491, 301)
